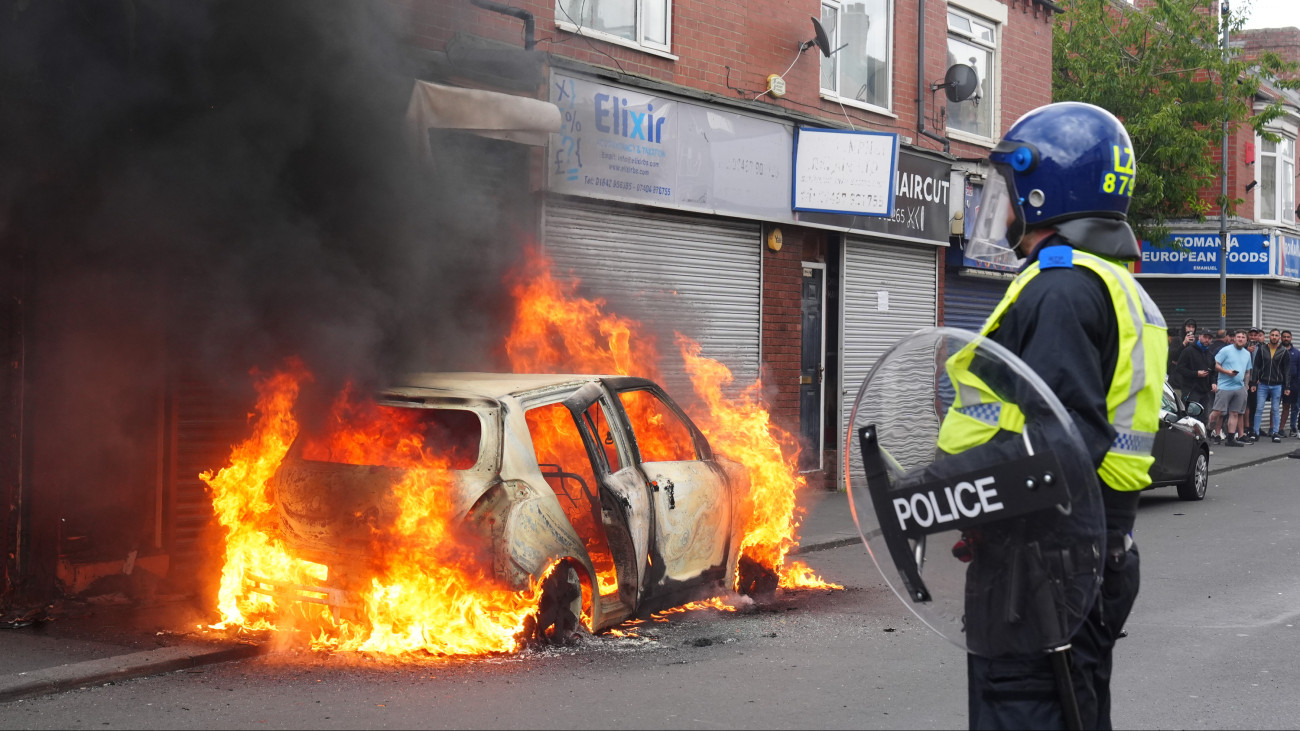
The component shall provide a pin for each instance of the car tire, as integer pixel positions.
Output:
(559, 613)
(756, 580)
(1197, 482)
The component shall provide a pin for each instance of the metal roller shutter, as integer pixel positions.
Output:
(204, 422)
(969, 300)
(874, 322)
(672, 271)
(1280, 305)
(1179, 299)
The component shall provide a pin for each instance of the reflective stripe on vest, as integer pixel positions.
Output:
(1132, 401)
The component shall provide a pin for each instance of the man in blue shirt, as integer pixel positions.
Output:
(1233, 364)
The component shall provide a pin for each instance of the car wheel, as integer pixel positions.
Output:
(559, 613)
(1194, 487)
(756, 580)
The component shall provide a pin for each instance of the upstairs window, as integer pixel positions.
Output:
(1276, 181)
(645, 24)
(859, 71)
(973, 40)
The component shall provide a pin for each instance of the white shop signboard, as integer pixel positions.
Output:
(628, 145)
(623, 144)
(844, 171)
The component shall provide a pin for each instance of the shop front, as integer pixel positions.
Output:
(1262, 278)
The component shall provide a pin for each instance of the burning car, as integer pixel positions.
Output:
(600, 487)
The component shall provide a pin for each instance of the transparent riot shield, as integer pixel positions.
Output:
(974, 495)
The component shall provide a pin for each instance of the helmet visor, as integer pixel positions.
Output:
(988, 242)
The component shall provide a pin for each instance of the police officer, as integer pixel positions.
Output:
(1059, 198)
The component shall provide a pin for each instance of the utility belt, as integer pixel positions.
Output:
(1015, 596)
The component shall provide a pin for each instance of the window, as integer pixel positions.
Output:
(660, 434)
(394, 436)
(637, 23)
(1277, 181)
(598, 423)
(858, 70)
(974, 40)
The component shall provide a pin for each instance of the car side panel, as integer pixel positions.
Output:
(692, 510)
(629, 487)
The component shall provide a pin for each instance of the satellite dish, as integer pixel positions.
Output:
(960, 82)
(822, 40)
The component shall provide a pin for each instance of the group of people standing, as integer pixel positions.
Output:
(1236, 374)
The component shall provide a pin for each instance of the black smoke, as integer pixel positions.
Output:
(198, 189)
(236, 174)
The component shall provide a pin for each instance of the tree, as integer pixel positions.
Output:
(1160, 68)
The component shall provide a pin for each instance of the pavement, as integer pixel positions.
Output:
(77, 644)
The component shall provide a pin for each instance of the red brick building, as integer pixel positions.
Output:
(804, 295)
(1263, 266)
(790, 194)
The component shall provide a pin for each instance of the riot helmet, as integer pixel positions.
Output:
(1061, 163)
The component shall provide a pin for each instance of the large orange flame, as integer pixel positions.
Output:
(558, 331)
(428, 593)
(741, 429)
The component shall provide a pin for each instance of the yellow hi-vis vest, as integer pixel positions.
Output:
(1132, 401)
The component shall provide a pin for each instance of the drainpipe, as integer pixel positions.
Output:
(920, 79)
(520, 13)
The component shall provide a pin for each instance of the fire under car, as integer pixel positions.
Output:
(604, 477)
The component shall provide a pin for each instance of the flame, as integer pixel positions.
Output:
(557, 331)
(741, 429)
(716, 602)
(430, 593)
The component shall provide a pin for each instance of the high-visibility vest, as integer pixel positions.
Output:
(1132, 401)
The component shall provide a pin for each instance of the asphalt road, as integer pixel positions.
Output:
(1212, 645)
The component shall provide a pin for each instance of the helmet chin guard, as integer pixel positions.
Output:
(974, 494)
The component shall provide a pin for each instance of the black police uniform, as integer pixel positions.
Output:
(1063, 326)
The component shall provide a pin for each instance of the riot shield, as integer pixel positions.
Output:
(974, 494)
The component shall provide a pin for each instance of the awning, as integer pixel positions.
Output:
(487, 113)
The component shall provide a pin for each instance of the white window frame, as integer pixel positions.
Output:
(1282, 160)
(995, 14)
(837, 6)
(565, 22)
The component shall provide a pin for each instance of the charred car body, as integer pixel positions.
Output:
(603, 476)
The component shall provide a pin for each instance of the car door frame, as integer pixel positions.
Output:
(625, 488)
(660, 586)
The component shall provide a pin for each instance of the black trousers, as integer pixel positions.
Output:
(1021, 692)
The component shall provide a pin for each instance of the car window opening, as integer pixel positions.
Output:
(393, 436)
(563, 460)
(660, 433)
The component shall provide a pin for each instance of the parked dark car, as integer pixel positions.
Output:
(1182, 448)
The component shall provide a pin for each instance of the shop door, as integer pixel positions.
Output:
(812, 366)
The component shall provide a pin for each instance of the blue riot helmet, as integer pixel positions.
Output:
(1067, 165)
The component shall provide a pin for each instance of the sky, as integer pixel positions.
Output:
(1271, 13)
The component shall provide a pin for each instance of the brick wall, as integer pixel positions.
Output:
(782, 311)
(730, 48)
(1285, 42)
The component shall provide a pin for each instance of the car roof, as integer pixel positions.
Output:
(489, 385)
